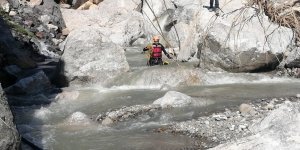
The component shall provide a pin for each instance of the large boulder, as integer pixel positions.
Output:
(8, 133)
(278, 130)
(89, 56)
(242, 41)
(239, 40)
(116, 19)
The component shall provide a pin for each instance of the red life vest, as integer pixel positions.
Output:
(156, 51)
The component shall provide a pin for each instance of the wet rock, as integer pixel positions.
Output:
(126, 113)
(174, 99)
(67, 95)
(107, 121)
(162, 77)
(89, 57)
(78, 118)
(8, 133)
(34, 84)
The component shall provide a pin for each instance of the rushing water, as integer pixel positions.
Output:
(46, 126)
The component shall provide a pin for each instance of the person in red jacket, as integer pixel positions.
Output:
(155, 50)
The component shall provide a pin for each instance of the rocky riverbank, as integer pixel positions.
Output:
(242, 123)
(9, 137)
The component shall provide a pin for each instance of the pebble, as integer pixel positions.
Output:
(12, 13)
(232, 127)
(206, 122)
(220, 117)
(242, 127)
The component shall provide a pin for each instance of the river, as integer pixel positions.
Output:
(46, 125)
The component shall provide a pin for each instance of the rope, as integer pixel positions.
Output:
(160, 29)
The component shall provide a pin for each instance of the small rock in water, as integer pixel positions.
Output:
(107, 121)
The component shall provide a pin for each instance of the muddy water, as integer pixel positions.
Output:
(46, 126)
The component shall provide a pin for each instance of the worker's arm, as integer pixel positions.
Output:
(165, 52)
(148, 47)
(145, 49)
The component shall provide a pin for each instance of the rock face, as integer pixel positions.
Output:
(8, 133)
(238, 46)
(278, 130)
(116, 19)
(234, 41)
(89, 56)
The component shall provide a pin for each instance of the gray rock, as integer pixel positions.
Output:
(12, 13)
(246, 109)
(8, 133)
(34, 84)
(78, 118)
(107, 121)
(174, 99)
(121, 27)
(219, 117)
(278, 130)
(90, 57)
(126, 113)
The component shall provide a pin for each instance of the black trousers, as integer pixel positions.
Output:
(155, 61)
(216, 3)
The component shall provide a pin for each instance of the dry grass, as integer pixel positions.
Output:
(287, 14)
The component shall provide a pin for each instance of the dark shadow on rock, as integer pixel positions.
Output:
(61, 80)
(19, 60)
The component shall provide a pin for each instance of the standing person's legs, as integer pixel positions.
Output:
(216, 3)
(211, 4)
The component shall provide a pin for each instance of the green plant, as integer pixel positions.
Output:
(15, 26)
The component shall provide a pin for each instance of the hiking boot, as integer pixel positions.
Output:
(210, 9)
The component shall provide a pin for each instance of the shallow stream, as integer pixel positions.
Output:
(46, 126)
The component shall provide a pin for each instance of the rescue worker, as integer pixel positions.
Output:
(155, 50)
